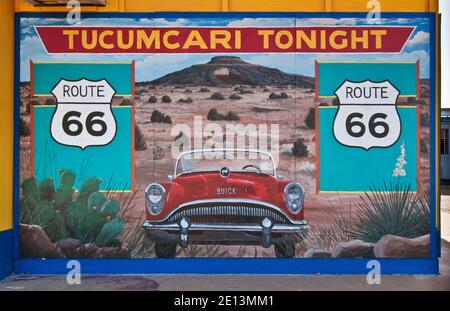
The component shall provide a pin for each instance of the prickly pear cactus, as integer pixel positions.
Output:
(109, 232)
(110, 209)
(89, 216)
(87, 188)
(47, 189)
(96, 200)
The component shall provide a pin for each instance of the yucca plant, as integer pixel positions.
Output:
(392, 209)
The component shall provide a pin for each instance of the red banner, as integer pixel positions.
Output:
(62, 39)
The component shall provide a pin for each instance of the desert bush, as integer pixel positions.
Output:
(166, 99)
(88, 216)
(391, 209)
(204, 90)
(246, 92)
(310, 119)
(266, 90)
(177, 87)
(50, 102)
(24, 128)
(153, 99)
(188, 91)
(300, 149)
(217, 96)
(234, 97)
(159, 117)
(158, 153)
(231, 116)
(139, 140)
(214, 115)
(126, 102)
(185, 100)
(424, 119)
(423, 147)
(282, 95)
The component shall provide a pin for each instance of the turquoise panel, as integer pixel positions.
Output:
(402, 75)
(112, 163)
(350, 169)
(47, 75)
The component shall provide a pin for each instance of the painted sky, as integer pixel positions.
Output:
(152, 66)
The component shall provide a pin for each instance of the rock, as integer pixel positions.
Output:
(391, 246)
(353, 249)
(69, 247)
(89, 250)
(317, 253)
(114, 252)
(35, 243)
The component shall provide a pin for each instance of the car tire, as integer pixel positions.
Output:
(165, 249)
(285, 249)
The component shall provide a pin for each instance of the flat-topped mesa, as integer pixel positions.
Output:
(226, 60)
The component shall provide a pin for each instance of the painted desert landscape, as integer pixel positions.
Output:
(225, 91)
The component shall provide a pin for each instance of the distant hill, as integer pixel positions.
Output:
(232, 70)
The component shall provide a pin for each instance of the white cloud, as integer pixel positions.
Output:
(326, 21)
(421, 37)
(262, 22)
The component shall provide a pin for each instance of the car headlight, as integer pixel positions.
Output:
(294, 196)
(155, 195)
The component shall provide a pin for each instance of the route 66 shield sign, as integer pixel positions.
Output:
(367, 116)
(83, 115)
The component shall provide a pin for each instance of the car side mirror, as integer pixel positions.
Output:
(170, 178)
(280, 177)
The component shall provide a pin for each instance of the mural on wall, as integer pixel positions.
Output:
(225, 136)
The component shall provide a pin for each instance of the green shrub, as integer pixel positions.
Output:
(24, 128)
(234, 97)
(126, 102)
(300, 149)
(89, 217)
(217, 96)
(310, 119)
(159, 117)
(391, 209)
(214, 115)
(166, 99)
(139, 141)
(152, 99)
(188, 100)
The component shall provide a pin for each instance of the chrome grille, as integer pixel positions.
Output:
(229, 213)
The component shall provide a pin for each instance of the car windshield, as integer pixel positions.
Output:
(214, 160)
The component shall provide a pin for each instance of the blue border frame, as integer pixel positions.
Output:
(231, 265)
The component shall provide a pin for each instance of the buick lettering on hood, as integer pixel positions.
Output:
(229, 197)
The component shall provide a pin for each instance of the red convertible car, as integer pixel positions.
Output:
(226, 196)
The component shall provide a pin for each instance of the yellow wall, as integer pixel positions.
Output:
(245, 6)
(7, 59)
(6, 112)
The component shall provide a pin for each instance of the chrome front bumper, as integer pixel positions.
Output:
(263, 233)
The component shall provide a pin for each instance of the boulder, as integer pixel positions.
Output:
(317, 253)
(353, 249)
(69, 247)
(89, 250)
(35, 243)
(391, 246)
(114, 252)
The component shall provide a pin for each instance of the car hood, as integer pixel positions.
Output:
(238, 185)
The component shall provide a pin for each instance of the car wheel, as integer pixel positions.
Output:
(285, 249)
(165, 249)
